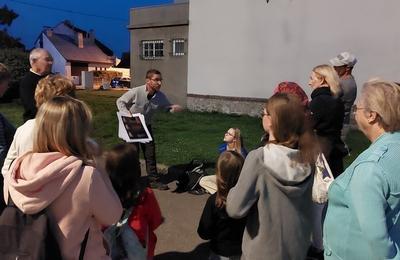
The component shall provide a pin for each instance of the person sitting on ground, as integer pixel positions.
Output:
(224, 232)
(233, 141)
(58, 176)
(275, 185)
(122, 163)
(48, 87)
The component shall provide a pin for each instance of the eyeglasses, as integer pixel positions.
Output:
(157, 79)
(264, 113)
(227, 133)
(356, 108)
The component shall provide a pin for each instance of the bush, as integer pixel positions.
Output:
(17, 62)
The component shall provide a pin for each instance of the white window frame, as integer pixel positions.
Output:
(175, 51)
(151, 51)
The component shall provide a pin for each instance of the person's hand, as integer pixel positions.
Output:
(175, 108)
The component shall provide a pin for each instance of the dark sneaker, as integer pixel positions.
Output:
(199, 191)
(315, 254)
(158, 185)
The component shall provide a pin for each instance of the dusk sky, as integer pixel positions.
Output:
(108, 18)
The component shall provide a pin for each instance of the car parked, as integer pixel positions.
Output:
(120, 82)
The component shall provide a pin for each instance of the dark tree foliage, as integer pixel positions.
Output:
(7, 16)
(17, 61)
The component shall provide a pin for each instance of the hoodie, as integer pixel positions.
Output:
(274, 192)
(76, 197)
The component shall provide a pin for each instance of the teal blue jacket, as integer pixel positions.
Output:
(362, 220)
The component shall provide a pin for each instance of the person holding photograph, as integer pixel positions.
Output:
(147, 99)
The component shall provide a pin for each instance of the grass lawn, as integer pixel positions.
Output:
(180, 137)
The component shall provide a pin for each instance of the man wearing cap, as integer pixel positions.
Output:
(343, 64)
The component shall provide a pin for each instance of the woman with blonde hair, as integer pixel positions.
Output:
(48, 87)
(365, 198)
(327, 112)
(233, 141)
(274, 186)
(59, 176)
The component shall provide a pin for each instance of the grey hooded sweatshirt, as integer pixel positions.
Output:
(274, 192)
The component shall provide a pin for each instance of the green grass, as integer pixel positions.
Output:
(179, 137)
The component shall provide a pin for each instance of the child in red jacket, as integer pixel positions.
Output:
(122, 163)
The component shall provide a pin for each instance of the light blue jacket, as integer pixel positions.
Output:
(362, 220)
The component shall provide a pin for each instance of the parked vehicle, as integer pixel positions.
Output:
(120, 82)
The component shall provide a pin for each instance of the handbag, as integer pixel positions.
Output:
(123, 241)
(323, 178)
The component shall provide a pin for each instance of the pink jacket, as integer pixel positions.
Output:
(77, 198)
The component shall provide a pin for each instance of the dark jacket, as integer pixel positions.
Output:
(327, 113)
(27, 89)
(224, 232)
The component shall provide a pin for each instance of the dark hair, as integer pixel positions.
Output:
(229, 165)
(151, 72)
(290, 125)
(123, 166)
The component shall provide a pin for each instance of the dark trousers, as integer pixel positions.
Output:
(149, 152)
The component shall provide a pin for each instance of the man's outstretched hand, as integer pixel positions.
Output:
(175, 108)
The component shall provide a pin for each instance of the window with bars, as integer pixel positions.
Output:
(178, 47)
(153, 49)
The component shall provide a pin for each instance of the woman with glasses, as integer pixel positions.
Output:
(274, 187)
(365, 198)
(233, 141)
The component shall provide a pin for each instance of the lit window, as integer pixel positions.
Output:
(178, 47)
(152, 49)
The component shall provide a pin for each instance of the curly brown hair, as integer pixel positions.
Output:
(51, 86)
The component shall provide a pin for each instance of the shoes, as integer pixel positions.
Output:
(315, 254)
(198, 191)
(158, 185)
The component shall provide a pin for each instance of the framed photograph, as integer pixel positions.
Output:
(132, 128)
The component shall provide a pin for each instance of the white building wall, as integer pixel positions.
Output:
(243, 48)
(59, 61)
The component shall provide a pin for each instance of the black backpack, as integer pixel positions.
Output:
(28, 236)
(188, 175)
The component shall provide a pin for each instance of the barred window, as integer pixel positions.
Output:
(178, 47)
(153, 49)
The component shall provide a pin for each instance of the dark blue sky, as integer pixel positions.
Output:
(109, 18)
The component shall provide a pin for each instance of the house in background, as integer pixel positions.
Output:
(74, 50)
(159, 40)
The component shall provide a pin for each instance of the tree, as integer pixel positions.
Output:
(12, 53)
(7, 16)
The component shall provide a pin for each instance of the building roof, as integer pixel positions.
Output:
(90, 52)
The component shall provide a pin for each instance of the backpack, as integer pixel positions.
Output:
(123, 241)
(28, 236)
(188, 175)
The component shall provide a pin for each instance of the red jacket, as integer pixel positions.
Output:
(146, 214)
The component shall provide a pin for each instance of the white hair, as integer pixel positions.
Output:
(35, 54)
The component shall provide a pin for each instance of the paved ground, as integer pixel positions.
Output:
(177, 236)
